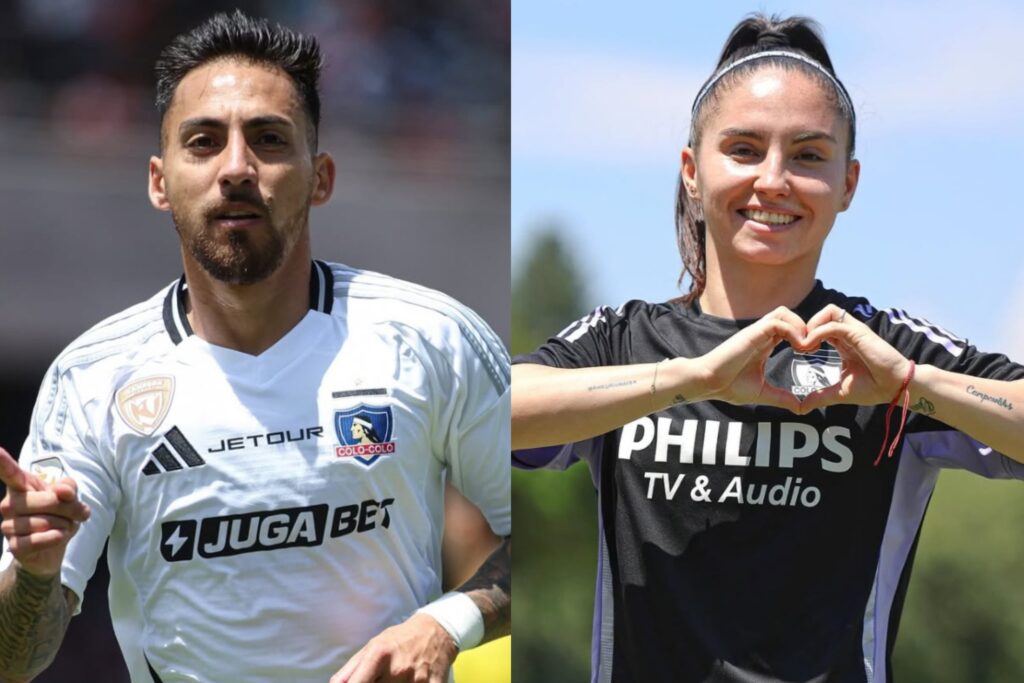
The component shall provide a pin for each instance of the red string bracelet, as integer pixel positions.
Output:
(905, 393)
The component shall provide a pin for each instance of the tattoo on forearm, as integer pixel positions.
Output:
(611, 385)
(982, 396)
(678, 399)
(491, 589)
(34, 614)
(923, 406)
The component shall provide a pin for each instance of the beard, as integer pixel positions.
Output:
(238, 260)
(239, 257)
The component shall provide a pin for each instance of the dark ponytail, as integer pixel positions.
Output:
(756, 33)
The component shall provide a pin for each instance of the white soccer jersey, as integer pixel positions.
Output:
(269, 514)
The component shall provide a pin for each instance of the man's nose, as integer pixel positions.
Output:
(238, 163)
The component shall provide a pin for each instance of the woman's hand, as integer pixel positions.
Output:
(735, 369)
(873, 371)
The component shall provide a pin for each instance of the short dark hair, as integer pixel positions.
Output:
(238, 35)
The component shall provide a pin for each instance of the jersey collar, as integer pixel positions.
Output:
(812, 303)
(321, 298)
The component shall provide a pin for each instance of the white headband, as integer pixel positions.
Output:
(361, 422)
(715, 78)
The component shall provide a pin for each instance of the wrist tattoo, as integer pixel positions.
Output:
(612, 385)
(491, 589)
(983, 397)
(34, 615)
(923, 406)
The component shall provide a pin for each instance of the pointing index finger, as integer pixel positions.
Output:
(13, 477)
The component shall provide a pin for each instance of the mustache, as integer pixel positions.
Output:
(234, 199)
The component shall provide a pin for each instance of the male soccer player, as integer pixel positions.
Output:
(217, 432)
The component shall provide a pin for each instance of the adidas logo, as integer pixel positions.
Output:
(163, 458)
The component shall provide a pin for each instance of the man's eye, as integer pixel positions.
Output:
(200, 142)
(270, 139)
(810, 155)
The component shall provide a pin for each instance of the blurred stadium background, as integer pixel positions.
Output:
(416, 113)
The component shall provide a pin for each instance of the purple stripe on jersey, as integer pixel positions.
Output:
(597, 674)
(536, 458)
(912, 490)
(955, 450)
(603, 633)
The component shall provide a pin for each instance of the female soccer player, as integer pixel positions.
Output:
(764, 448)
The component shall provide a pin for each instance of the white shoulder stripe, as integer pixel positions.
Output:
(938, 328)
(579, 328)
(110, 338)
(51, 413)
(485, 343)
(955, 345)
(131, 339)
(430, 299)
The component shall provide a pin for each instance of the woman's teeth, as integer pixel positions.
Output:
(769, 217)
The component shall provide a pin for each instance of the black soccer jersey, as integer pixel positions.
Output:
(746, 543)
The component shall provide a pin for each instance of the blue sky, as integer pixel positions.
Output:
(601, 93)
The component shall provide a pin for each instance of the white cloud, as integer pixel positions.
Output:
(598, 107)
(971, 79)
(908, 70)
(947, 63)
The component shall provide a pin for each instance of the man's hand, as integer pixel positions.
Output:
(418, 650)
(39, 517)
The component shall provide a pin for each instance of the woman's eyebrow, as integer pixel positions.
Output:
(741, 133)
(814, 135)
(757, 135)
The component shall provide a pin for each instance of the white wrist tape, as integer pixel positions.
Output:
(459, 615)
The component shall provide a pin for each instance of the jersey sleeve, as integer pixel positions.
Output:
(60, 442)
(927, 343)
(593, 340)
(476, 421)
(956, 450)
(936, 442)
(556, 457)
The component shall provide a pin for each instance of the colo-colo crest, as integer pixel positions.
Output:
(364, 433)
(814, 371)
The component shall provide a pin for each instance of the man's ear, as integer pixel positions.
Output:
(323, 178)
(157, 185)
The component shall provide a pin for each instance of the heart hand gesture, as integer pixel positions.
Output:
(873, 371)
(735, 369)
(734, 372)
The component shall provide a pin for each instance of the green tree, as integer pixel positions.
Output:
(963, 617)
(547, 290)
(555, 512)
